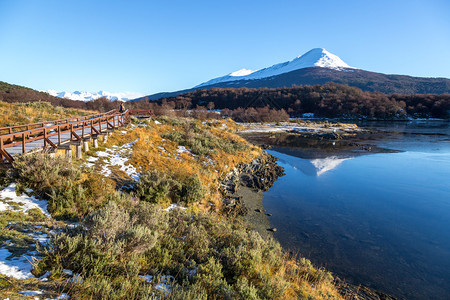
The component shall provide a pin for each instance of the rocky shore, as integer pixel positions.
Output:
(243, 191)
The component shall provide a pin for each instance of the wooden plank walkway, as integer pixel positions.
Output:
(54, 134)
(39, 144)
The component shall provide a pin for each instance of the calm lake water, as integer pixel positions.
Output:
(382, 220)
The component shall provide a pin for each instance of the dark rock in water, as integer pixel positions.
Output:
(257, 210)
(272, 229)
(269, 215)
(258, 175)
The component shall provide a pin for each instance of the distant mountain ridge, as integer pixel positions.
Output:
(318, 66)
(87, 96)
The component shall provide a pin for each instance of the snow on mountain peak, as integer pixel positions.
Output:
(87, 96)
(241, 72)
(317, 57)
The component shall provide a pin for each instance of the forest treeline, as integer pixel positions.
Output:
(264, 104)
(328, 100)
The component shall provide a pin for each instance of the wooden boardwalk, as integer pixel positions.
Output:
(61, 133)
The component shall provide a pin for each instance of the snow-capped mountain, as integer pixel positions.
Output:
(87, 96)
(318, 66)
(317, 57)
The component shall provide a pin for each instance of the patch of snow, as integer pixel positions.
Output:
(118, 157)
(31, 293)
(208, 162)
(26, 202)
(164, 288)
(17, 267)
(182, 149)
(174, 206)
(42, 238)
(157, 122)
(147, 278)
(67, 272)
(63, 296)
(45, 276)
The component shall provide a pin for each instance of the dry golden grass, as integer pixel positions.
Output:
(153, 152)
(33, 112)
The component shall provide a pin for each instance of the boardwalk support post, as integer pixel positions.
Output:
(95, 140)
(77, 143)
(86, 143)
(68, 150)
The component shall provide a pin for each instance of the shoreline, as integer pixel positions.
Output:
(249, 201)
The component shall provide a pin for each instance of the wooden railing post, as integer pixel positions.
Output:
(45, 137)
(1, 149)
(59, 135)
(23, 143)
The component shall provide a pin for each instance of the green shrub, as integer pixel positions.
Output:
(43, 173)
(201, 141)
(192, 190)
(207, 256)
(155, 187)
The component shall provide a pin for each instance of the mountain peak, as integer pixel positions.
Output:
(317, 57)
(320, 57)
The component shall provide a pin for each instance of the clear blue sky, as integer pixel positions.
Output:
(154, 46)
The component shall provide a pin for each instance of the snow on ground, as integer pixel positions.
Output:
(147, 278)
(164, 285)
(117, 156)
(173, 206)
(31, 293)
(63, 296)
(182, 149)
(20, 266)
(17, 267)
(24, 201)
(10, 264)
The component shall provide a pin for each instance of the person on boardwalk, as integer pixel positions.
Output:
(121, 108)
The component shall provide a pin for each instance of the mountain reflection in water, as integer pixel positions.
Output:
(370, 215)
(312, 167)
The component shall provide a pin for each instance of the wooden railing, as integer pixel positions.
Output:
(19, 136)
(18, 128)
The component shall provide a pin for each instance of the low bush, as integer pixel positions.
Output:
(43, 173)
(70, 193)
(155, 187)
(192, 190)
(202, 141)
(207, 256)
